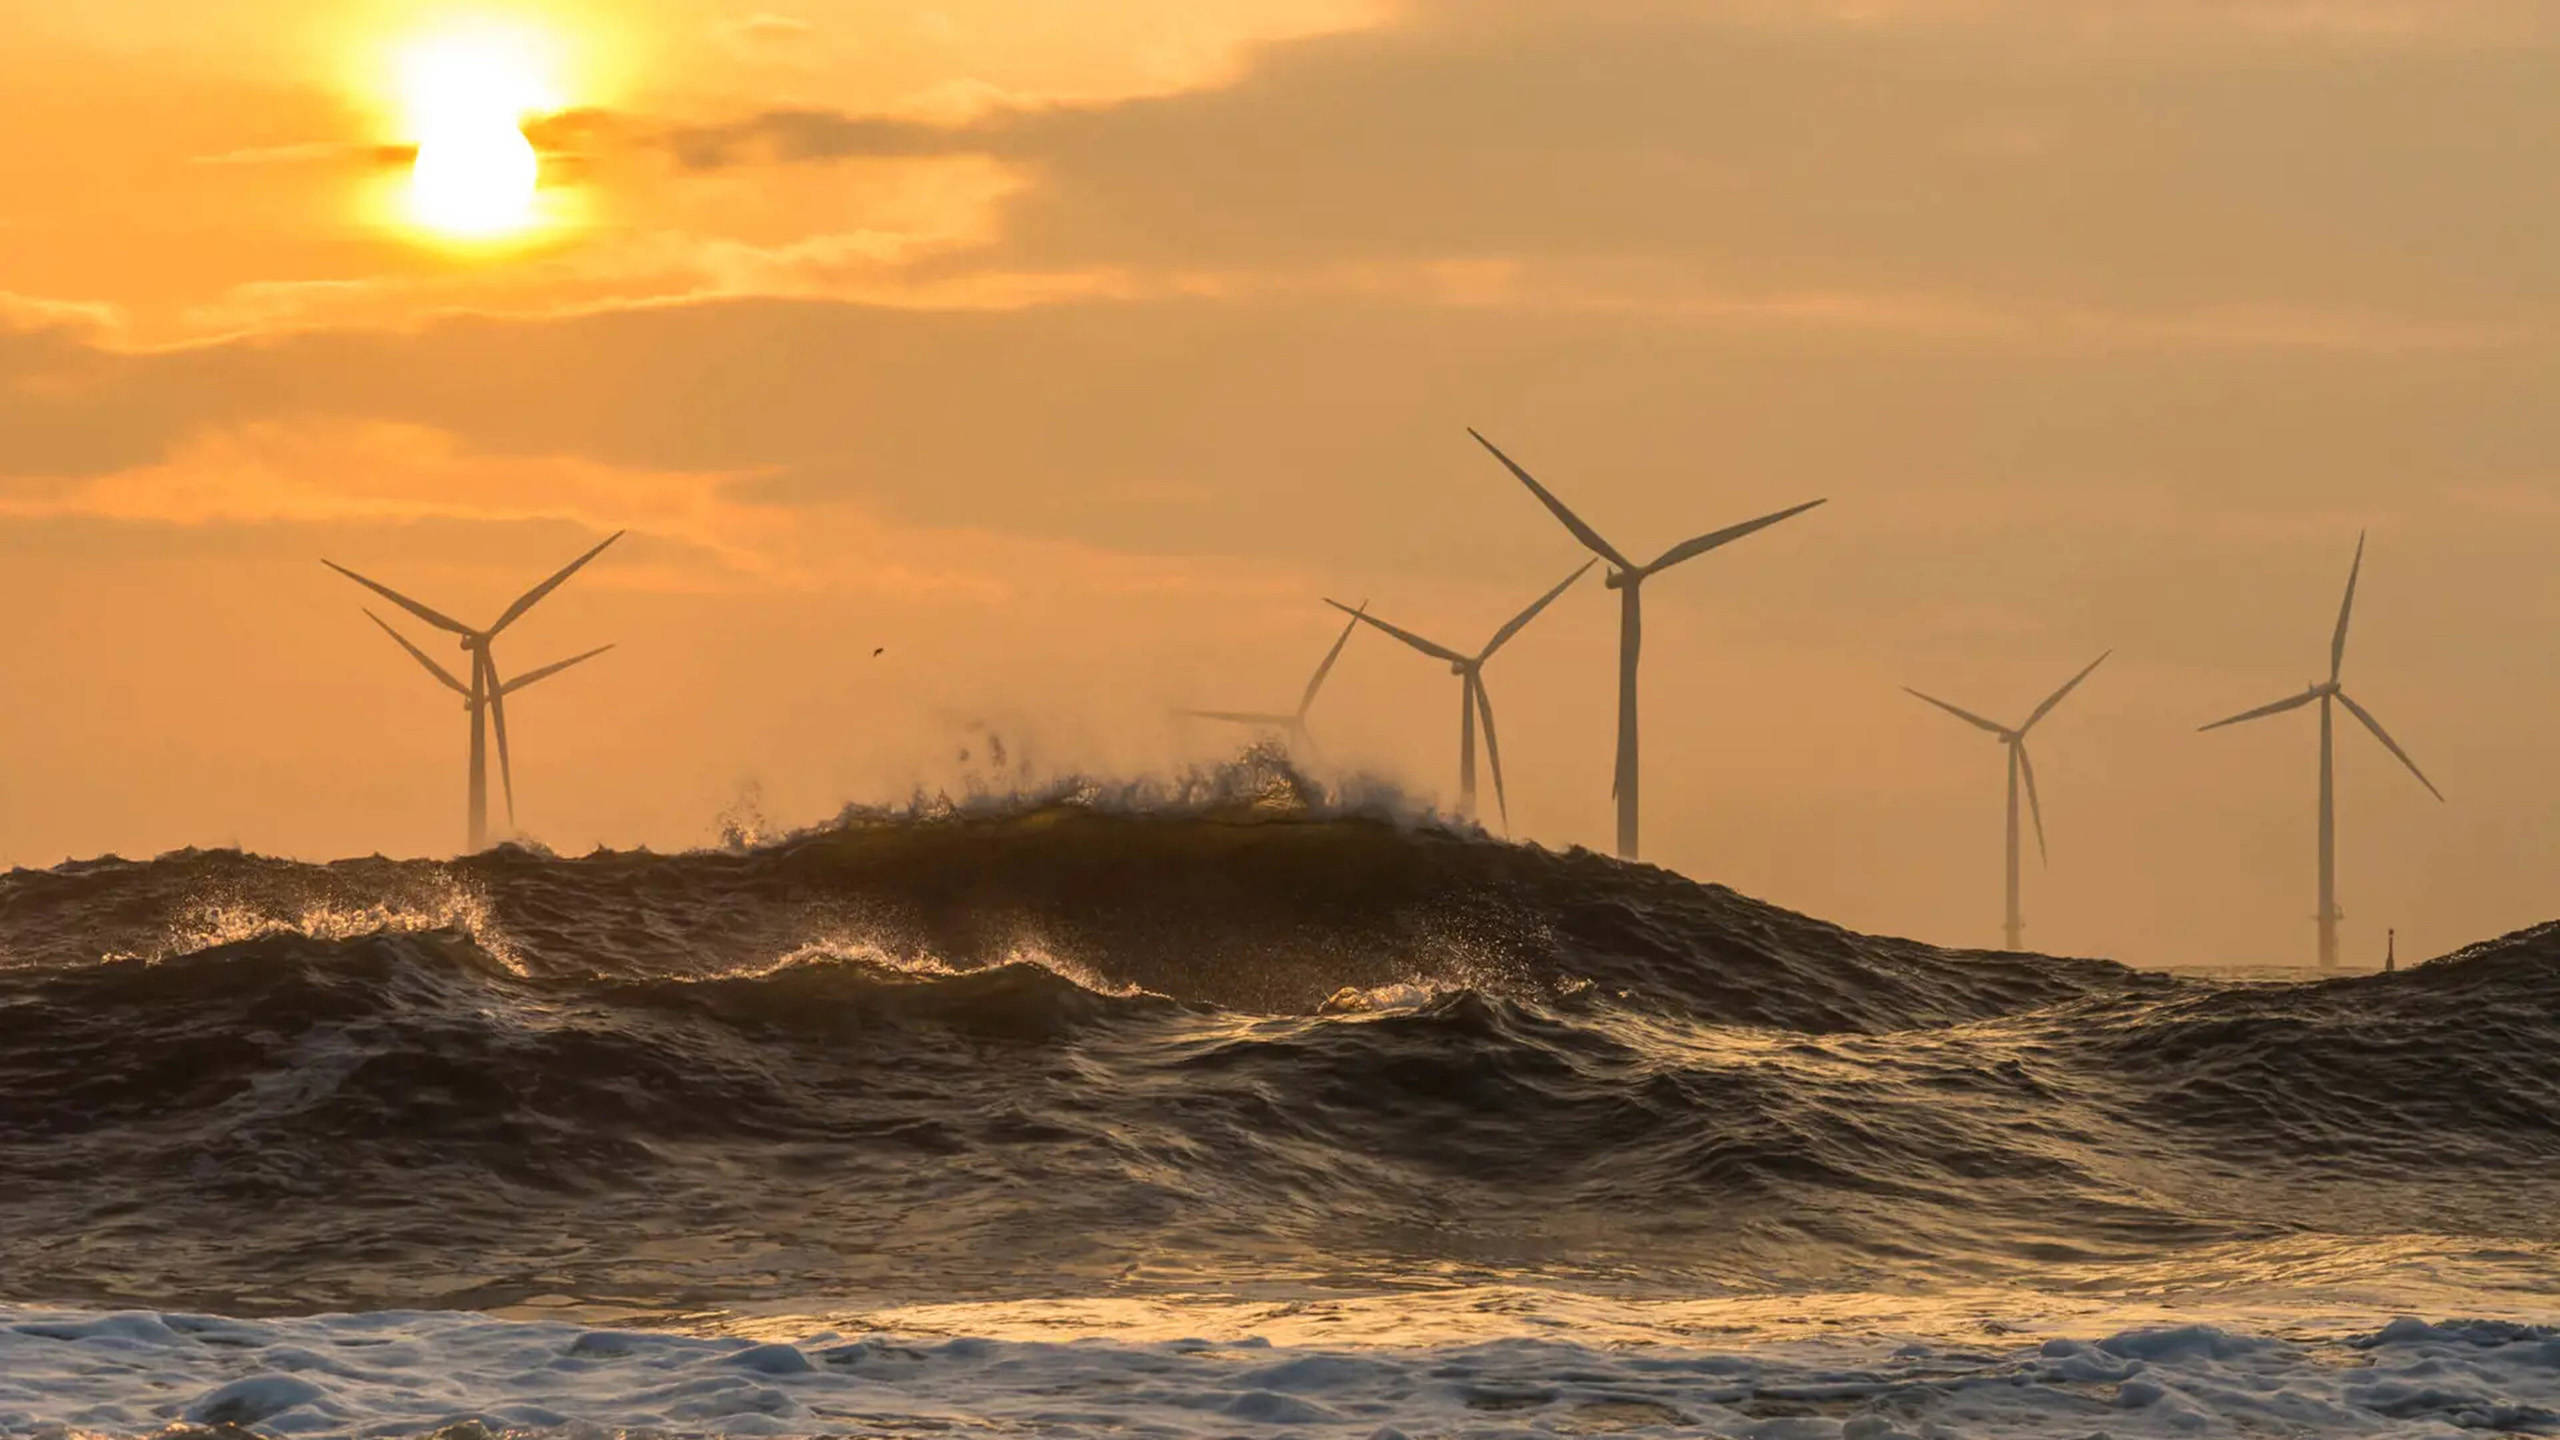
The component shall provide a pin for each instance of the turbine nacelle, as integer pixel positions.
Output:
(1474, 704)
(484, 697)
(2022, 772)
(1625, 574)
(2323, 693)
(1293, 724)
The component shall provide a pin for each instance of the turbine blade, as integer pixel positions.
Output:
(1417, 642)
(1492, 746)
(433, 617)
(1584, 533)
(1503, 635)
(2035, 807)
(2346, 607)
(547, 671)
(420, 656)
(2290, 702)
(1307, 700)
(1965, 715)
(2056, 697)
(1299, 734)
(1242, 717)
(2384, 736)
(1688, 549)
(531, 597)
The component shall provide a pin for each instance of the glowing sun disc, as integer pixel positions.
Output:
(467, 95)
(475, 183)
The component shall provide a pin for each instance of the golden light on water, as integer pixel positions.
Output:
(466, 94)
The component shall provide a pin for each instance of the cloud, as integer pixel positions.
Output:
(1872, 154)
(1290, 427)
(347, 153)
(376, 472)
(765, 29)
(2191, 22)
(797, 135)
(24, 313)
(709, 531)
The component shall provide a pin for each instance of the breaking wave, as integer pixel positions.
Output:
(1096, 1040)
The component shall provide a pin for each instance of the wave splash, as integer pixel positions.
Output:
(1081, 1044)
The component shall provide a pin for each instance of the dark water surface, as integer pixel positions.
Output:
(1060, 1050)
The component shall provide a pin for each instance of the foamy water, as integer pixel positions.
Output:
(402, 1372)
(1219, 1117)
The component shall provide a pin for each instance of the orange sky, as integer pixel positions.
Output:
(1072, 352)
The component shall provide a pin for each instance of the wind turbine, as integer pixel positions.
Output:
(1627, 578)
(1294, 724)
(2325, 693)
(484, 698)
(1472, 699)
(2015, 740)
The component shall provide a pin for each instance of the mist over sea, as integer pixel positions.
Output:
(1231, 1109)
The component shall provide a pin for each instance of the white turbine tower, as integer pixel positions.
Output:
(484, 698)
(1627, 578)
(1472, 698)
(1293, 724)
(2014, 930)
(2325, 693)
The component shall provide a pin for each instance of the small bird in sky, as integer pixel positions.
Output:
(878, 651)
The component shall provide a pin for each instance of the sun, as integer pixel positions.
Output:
(467, 93)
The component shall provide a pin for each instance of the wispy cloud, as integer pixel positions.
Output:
(26, 313)
(712, 534)
(316, 152)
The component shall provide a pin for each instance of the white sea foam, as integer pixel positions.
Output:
(395, 1373)
(228, 920)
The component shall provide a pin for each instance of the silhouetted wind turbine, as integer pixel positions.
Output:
(1472, 699)
(2329, 915)
(2015, 741)
(484, 698)
(1627, 577)
(1294, 724)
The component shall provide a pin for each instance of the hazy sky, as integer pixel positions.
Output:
(1073, 352)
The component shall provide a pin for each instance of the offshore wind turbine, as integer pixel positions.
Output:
(484, 698)
(1472, 698)
(2014, 740)
(2325, 694)
(1293, 724)
(1627, 578)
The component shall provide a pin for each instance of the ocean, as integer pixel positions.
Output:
(1236, 1110)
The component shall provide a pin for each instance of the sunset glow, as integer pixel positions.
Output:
(732, 717)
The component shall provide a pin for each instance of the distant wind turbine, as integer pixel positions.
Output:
(1472, 699)
(1627, 577)
(2015, 740)
(2329, 914)
(484, 698)
(1293, 724)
